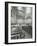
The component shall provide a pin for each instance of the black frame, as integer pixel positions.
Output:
(6, 22)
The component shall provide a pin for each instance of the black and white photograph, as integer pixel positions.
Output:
(21, 22)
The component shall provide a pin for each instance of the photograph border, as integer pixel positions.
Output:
(6, 22)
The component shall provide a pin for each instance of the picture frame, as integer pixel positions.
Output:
(20, 16)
